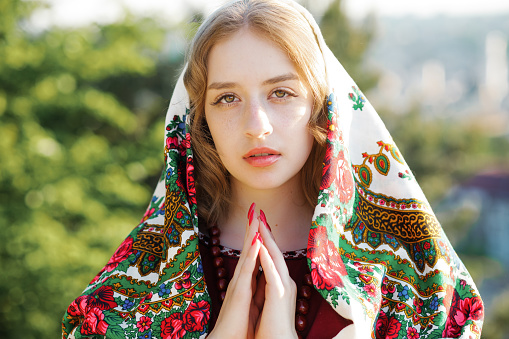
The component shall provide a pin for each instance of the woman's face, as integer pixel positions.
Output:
(257, 109)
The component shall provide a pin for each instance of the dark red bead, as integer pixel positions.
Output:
(222, 295)
(218, 262)
(215, 241)
(305, 291)
(302, 306)
(308, 280)
(221, 272)
(222, 284)
(214, 231)
(216, 251)
(300, 322)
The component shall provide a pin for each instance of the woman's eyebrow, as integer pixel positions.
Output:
(222, 85)
(281, 78)
(271, 81)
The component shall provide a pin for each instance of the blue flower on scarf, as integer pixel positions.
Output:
(184, 220)
(163, 290)
(147, 335)
(199, 269)
(128, 304)
(403, 294)
(434, 303)
(169, 173)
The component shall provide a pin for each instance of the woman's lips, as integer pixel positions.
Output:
(261, 157)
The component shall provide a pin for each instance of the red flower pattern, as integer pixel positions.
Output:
(461, 311)
(329, 164)
(371, 290)
(317, 237)
(387, 288)
(121, 254)
(94, 323)
(172, 142)
(144, 324)
(196, 316)
(185, 144)
(191, 189)
(387, 328)
(344, 179)
(102, 298)
(79, 306)
(172, 327)
(418, 304)
(337, 170)
(327, 267)
(411, 333)
(185, 282)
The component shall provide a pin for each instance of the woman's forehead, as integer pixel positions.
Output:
(247, 56)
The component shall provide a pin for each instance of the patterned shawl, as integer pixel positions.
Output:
(376, 251)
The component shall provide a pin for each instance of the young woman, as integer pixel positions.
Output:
(285, 209)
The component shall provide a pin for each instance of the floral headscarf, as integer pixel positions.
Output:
(376, 251)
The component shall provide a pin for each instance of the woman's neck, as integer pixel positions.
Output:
(286, 208)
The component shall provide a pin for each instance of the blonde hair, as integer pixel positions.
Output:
(290, 30)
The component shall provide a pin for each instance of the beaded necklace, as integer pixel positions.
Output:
(303, 295)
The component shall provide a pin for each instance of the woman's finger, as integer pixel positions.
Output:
(252, 227)
(270, 271)
(271, 246)
(277, 318)
(247, 269)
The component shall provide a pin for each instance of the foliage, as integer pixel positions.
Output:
(81, 131)
(349, 43)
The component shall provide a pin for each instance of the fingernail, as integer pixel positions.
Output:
(250, 213)
(264, 219)
(256, 237)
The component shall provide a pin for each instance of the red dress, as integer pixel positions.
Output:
(323, 322)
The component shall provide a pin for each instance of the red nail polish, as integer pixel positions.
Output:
(250, 213)
(264, 219)
(256, 237)
(260, 238)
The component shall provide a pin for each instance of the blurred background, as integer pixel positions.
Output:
(84, 87)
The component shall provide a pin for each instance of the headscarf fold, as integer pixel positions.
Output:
(376, 251)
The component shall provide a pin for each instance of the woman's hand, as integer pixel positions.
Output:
(238, 315)
(276, 292)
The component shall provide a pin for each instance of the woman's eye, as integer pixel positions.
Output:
(228, 99)
(225, 99)
(280, 93)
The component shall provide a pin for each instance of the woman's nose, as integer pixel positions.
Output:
(257, 122)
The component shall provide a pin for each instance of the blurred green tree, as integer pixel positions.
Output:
(349, 42)
(82, 122)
